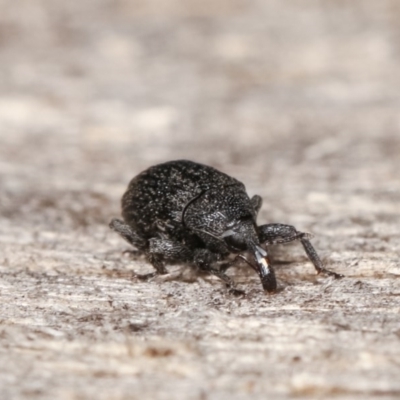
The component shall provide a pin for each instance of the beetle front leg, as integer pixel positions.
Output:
(314, 258)
(279, 234)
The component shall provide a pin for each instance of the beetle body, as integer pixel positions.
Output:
(188, 212)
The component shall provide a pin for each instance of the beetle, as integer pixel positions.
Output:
(183, 211)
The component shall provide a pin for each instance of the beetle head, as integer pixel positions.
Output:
(240, 234)
(225, 215)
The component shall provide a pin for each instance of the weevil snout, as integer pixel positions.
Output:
(265, 271)
(244, 237)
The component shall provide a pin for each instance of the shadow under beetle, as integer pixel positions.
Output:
(182, 211)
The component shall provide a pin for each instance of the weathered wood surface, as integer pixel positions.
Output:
(300, 100)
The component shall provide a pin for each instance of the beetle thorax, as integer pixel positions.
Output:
(224, 214)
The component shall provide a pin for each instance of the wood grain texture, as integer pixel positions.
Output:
(300, 101)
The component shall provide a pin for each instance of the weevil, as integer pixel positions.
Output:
(182, 211)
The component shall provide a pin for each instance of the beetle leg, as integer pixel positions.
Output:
(225, 266)
(157, 262)
(314, 258)
(145, 277)
(169, 250)
(263, 269)
(225, 278)
(161, 250)
(204, 260)
(256, 201)
(279, 233)
(127, 233)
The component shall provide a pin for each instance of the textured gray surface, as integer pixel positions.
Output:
(299, 100)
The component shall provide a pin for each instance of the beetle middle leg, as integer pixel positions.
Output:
(204, 259)
(279, 233)
(161, 250)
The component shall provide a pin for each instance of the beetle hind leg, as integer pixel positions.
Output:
(140, 244)
(128, 233)
(256, 202)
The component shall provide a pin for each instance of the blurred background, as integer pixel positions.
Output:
(298, 99)
(242, 85)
